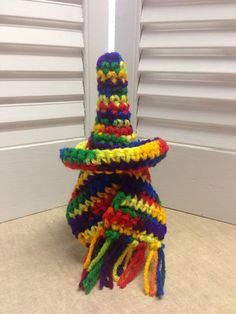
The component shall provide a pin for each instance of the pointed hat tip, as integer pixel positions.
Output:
(109, 57)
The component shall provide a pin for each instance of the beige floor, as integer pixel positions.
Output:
(40, 265)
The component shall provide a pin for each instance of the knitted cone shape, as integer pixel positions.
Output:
(114, 209)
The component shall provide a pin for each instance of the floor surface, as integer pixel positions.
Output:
(40, 266)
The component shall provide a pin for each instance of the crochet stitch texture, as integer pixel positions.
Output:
(114, 209)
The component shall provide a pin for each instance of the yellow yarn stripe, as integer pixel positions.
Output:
(140, 236)
(149, 150)
(113, 98)
(87, 236)
(128, 251)
(91, 248)
(146, 271)
(100, 254)
(153, 210)
(81, 179)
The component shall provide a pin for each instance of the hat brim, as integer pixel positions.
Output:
(147, 153)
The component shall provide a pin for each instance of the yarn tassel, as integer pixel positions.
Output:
(83, 276)
(92, 277)
(161, 272)
(91, 248)
(118, 264)
(95, 252)
(94, 268)
(152, 256)
(100, 254)
(106, 278)
(153, 274)
(134, 265)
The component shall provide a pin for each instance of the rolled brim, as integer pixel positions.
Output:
(146, 153)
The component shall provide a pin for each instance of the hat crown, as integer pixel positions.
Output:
(112, 128)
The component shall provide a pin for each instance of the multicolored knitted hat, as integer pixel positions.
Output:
(114, 209)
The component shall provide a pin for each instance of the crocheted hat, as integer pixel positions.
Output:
(114, 210)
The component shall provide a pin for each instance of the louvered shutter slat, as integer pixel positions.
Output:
(42, 10)
(181, 11)
(151, 38)
(40, 63)
(188, 64)
(41, 112)
(40, 88)
(35, 36)
(41, 71)
(187, 71)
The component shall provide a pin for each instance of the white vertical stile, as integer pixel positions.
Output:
(96, 43)
(128, 14)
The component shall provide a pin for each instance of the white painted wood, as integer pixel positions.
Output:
(42, 10)
(34, 179)
(188, 52)
(96, 44)
(210, 64)
(40, 36)
(44, 57)
(208, 90)
(188, 109)
(152, 38)
(198, 181)
(127, 36)
(40, 63)
(178, 2)
(40, 88)
(68, 2)
(39, 112)
(179, 131)
(39, 133)
(186, 95)
(41, 96)
(189, 11)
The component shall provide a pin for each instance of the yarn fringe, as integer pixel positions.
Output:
(112, 257)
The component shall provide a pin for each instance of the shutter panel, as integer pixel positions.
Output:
(187, 68)
(41, 71)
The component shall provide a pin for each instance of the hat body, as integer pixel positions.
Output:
(114, 209)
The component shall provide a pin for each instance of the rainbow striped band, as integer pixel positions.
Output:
(145, 154)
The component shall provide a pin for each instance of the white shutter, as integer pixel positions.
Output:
(187, 89)
(186, 94)
(48, 53)
(41, 102)
(41, 71)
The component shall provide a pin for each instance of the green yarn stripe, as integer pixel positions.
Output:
(104, 138)
(107, 122)
(79, 156)
(92, 277)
